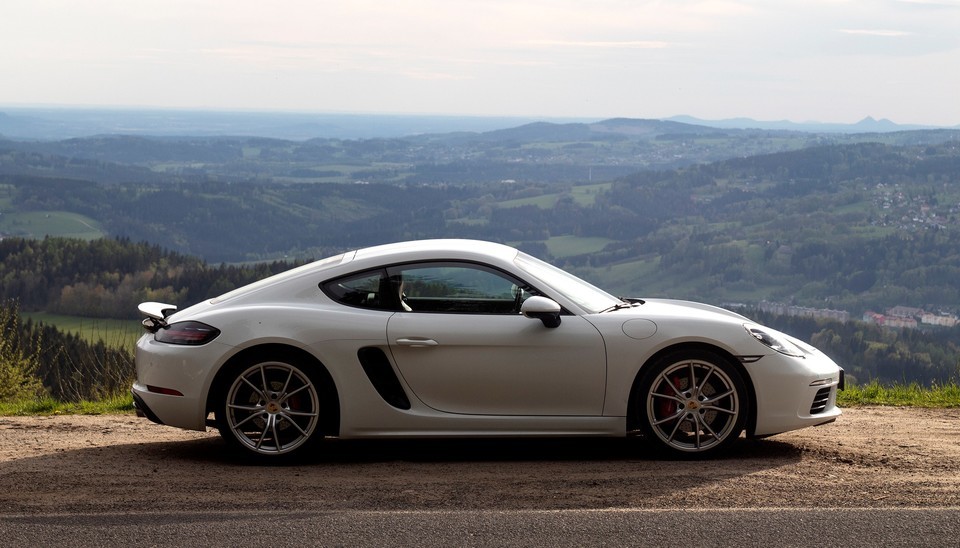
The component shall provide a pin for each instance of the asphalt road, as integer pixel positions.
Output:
(614, 527)
(877, 477)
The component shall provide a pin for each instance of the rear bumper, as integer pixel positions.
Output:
(143, 410)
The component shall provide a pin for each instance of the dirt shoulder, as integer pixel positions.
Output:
(871, 457)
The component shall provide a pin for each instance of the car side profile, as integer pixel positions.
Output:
(453, 338)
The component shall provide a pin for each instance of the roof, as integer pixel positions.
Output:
(436, 249)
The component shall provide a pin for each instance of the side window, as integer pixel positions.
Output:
(366, 290)
(458, 288)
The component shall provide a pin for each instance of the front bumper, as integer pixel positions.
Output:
(794, 393)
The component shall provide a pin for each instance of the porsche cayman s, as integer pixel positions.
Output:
(445, 338)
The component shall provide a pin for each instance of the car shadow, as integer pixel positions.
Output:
(384, 474)
(523, 450)
(214, 450)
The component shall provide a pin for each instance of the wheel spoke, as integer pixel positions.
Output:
(668, 396)
(245, 407)
(266, 429)
(718, 397)
(248, 419)
(669, 383)
(692, 387)
(710, 431)
(676, 416)
(253, 387)
(273, 428)
(287, 382)
(292, 413)
(719, 409)
(294, 423)
(706, 377)
(263, 378)
(298, 390)
(675, 428)
(696, 428)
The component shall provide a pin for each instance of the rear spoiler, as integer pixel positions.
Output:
(156, 315)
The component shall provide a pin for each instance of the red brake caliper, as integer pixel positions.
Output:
(667, 407)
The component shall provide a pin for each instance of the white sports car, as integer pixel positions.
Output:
(444, 338)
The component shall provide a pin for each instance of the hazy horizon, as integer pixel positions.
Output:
(7, 107)
(67, 122)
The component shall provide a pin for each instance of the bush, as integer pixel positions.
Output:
(19, 362)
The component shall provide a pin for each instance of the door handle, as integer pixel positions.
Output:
(417, 343)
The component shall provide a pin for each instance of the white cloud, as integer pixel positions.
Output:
(625, 44)
(876, 32)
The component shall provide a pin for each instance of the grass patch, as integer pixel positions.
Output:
(905, 395)
(545, 201)
(37, 224)
(118, 404)
(582, 195)
(586, 195)
(624, 278)
(568, 246)
(900, 395)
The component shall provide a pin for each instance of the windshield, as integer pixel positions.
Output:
(589, 297)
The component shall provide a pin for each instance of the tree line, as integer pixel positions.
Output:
(108, 278)
(869, 352)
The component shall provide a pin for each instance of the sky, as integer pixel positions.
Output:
(834, 61)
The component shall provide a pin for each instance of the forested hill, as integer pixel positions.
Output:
(533, 153)
(855, 227)
(108, 278)
(642, 208)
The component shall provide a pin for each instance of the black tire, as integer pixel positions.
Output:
(270, 406)
(692, 403)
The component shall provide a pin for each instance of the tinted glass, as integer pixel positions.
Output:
(459, 287)
(366, 290)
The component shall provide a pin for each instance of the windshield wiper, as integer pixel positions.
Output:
(624, 303)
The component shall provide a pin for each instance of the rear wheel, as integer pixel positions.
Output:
(693, 402)
(269, 407)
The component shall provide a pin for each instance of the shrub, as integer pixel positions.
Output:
(19, 362)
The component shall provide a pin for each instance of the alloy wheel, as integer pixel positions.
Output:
(272, 408)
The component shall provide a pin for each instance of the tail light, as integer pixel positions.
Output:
(187, 333)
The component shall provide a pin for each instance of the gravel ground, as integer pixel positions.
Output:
(871, 457)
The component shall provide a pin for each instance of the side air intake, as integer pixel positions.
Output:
(378, 369)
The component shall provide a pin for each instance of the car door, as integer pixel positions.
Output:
(462, 346)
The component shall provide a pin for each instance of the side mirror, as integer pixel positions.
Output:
(541, 308)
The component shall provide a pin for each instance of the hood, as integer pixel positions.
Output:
(677, 308)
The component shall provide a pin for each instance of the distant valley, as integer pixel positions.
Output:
(853, 222)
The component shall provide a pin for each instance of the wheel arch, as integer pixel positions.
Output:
(330, 399)
(632, 412)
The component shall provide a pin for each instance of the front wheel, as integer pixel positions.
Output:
(269, 407)
(693, 403)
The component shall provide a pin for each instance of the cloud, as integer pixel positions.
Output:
(933, 3)
(623, 44)
(876, 32)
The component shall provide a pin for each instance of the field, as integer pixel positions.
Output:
(566, 246)
(38, 224)
(583, 195)
(114, 333)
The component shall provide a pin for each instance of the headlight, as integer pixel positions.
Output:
(187, 333)
(774, 340)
